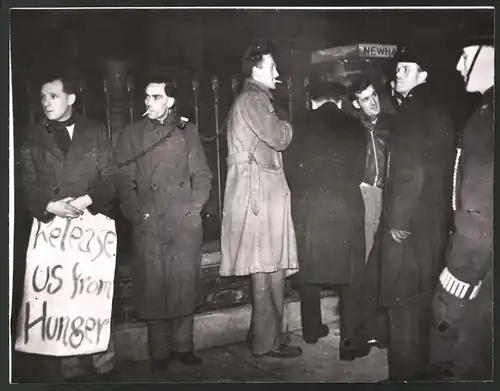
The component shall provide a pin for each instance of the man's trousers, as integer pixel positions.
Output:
(170, 335)
(266, 327)
(372, 197)
(409, 340)
(310, 310)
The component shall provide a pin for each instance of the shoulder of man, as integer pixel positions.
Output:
(188, 128)
(30, 134)
(385, 119)
(251, 95)
(348, 120)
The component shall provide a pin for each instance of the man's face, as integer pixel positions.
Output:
(369, 102)
(56, 104)
(156, 101)
(483, 72)
(266, 73)
(408, 76)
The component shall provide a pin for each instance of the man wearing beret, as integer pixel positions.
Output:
(417, 208)
(461, 343)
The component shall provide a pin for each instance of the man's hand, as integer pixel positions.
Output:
(82, 202)
(399, 235)
(62, 208)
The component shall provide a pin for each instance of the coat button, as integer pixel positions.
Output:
(153, 187)
(181, 184)
(56, 189)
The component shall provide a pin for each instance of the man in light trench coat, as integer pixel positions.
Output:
(258, 236)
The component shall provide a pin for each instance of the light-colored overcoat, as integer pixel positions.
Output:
(257, 230)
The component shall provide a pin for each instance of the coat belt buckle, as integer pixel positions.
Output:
(146, 216)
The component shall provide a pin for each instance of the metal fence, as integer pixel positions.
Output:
(205, 102)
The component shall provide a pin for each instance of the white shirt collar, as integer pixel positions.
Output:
(70, 130)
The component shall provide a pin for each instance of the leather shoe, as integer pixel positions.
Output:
(349, 352)
(187, 358)
(378, 344)
(285, 351)
(321, 332)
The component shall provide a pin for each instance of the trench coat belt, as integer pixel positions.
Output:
(254, 170)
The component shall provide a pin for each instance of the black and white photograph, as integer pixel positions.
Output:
(251, 194)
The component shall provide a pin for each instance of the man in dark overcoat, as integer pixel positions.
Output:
(325, 166)
(165, 182)
(461, 343)
(66, 165)
(414, 232)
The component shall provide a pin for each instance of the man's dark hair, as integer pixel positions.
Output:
(327, 90)
(253, 56)
(70, 85)
(359, 85)
(169, 84)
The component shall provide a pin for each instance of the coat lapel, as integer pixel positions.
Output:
(43, 136)
(158, 155)
(82, 142)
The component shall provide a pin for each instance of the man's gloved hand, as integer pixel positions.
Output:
(399, 235)
(63, 208)
(448, 311)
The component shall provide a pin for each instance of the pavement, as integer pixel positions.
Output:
(234, 363)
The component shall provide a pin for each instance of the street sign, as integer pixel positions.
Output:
(361, 50)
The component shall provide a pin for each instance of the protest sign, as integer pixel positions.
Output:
(68, 286)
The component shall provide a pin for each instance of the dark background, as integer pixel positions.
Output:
(210, 42)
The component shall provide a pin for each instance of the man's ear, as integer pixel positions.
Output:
(170, 101)
(356, 105)
(423, 76)
(71, 99)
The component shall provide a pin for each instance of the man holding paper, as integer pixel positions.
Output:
(67, 168)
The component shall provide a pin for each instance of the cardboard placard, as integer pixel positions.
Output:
(68, 286)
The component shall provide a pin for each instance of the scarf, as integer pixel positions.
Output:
(61, 135)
